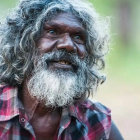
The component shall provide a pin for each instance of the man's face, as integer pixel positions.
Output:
(63, 32)
(60, 74)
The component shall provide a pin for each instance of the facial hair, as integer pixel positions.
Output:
(57, 88)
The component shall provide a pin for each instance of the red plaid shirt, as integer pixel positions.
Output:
(84, 121)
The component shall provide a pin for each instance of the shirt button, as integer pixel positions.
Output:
(22, 120)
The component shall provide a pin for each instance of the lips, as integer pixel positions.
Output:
(61, 64)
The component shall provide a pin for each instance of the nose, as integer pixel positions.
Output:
(66, 43)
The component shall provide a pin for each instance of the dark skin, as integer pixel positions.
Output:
(63, 32)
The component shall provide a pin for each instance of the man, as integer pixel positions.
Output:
(50, 56)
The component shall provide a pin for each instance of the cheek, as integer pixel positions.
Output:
(46, 45)
(81, 51)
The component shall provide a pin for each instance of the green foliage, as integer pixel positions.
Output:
(104, 7)
(6, 5)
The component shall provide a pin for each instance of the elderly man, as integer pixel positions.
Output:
(51, 54)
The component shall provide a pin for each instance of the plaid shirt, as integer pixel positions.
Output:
(80, 121)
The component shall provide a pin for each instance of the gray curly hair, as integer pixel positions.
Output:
(21, 29)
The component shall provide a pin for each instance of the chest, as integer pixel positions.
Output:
(46, 126)
(48, 131)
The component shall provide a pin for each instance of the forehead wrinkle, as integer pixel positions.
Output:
(67, 21)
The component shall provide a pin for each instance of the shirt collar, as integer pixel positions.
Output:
(67, 113)
(10, 105)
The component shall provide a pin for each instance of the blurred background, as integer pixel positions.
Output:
(121, 91)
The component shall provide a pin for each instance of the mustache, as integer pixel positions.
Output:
(56, 56)
(74, 60)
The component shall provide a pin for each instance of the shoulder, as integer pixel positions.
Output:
(7, 92)
(96, 116)
(5, 89)
(7, 96)
(94, 112)
(95, 106)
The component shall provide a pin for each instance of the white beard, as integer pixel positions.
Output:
(55, 89)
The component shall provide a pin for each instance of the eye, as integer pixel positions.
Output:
(52, 32)
(79, 39)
